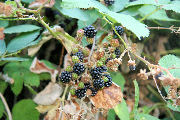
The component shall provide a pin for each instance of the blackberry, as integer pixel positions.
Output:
(117, 52)
(90, 31)
(109, 2)
(103, 68)
(87, 85)
(79, 55)
(89, 46)
(65, 77)
(119, 30)
(96, 73)
(158, 76)
(98, 84)
(78, 68)
(132, 67)
(107, 60)
(80, 93)
(94, 91)
(109, 82)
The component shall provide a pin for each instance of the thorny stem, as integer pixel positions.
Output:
(6, 106)
(146, 16)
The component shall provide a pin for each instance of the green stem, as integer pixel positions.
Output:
(64, 94)
(146, 16)
(11, 19)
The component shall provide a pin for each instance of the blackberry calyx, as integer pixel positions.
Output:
(65, 77)
(90, 31)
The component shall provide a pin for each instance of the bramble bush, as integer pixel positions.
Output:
(89, 59)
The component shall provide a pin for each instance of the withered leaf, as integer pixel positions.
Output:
(39, 67)
(38, 3)
(108, 97)
(49, 95)
(2, 34)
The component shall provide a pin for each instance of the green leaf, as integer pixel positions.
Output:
(2, 47)
(25, 110)
(127, 21)
(118, 79)
(111, 115)
(170, 61)
(13, 59)
(159, 15)
(31, 79)
(132, 11)
(4, 23)
(118, 5)
(3, 86)
(22, 41)
(1, 108)
(135, 109)
(21, 28)
(141, 116)
(174, 108)
(173, 6)
(27, 1)
(18, 83)
(122, 110)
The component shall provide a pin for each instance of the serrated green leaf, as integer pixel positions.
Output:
(173, 6)
(3, 86)
(21, 28)
(118, 5)
(118, 79)
(174, 108)
(127, 21)
(22, 41)
(13, 59)
(2, 47)
(122, 110)
(135, 109)
(148, 2)
(25, 110)
(17, 86)
(111, 115)
(132, 11)
(1, 108)
(170, 61)
(31, 79)
(4, 23)
(159, 15)
(141, 116)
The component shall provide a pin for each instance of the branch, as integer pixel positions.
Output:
(6, 106)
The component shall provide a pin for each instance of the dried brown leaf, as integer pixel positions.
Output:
(108, 97)
(38, 3)
(49, 95)
(39, 67)
(2, 34)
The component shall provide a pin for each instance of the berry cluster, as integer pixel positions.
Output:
(90, 31)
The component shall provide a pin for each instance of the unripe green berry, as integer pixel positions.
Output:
(99, 63)
(74, 76)
(109, 37)
(81, 85)
(113, 55)
(75, 59)
(72, 91)
(105, 79)
(69, 69)
(85, 52)
(103, 59)
(75, 50)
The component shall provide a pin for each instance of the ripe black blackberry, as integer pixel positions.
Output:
(79, 55)
(103, 69)
(98, 84)
(80, 93)
(78, 68)
(132, 67)
(94, 91)
(158, 76)
(119, 30)
(87, 85)
(117, 52)
(96, 73)
(90, 31)
(65, 77)
(109, 82)
(107, 60)
(109, 2)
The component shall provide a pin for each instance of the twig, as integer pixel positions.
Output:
(6, 106)
(64, 94)
(61, 58)
(92, 49)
